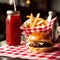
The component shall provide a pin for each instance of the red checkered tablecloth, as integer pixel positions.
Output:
(23, 51)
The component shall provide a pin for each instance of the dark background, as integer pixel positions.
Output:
(41, 6)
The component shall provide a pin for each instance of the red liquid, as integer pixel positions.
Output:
(13, 32)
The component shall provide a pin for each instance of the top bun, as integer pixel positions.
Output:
(34, 36)
(39, 36)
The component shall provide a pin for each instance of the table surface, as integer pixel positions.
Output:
(3, 44)
(23, 53)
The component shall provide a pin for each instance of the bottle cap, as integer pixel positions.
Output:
(50, 13)
(50, 16)
(13, 12)
(9, 12)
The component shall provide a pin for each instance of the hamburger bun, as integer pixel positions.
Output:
(43, 49)
(39, 42)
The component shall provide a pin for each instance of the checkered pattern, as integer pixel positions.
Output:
(23, 51)
(47, 28)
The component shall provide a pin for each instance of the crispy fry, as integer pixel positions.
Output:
(34, 23)
(31, 17)
(45, 22)
(27, 16)
(40, 22)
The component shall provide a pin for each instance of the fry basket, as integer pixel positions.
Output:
(46, 28)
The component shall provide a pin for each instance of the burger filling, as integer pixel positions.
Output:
(40, 44)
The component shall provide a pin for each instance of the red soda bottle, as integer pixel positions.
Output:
(13, 32)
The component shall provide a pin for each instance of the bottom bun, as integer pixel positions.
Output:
(44, 49)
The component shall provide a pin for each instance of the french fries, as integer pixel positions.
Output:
(35, 21)
(40, 22)
(31, 17)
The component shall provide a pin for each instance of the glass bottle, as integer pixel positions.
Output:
(54, 29)
(13, 32)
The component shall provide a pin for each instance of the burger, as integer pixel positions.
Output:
(40, 42)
